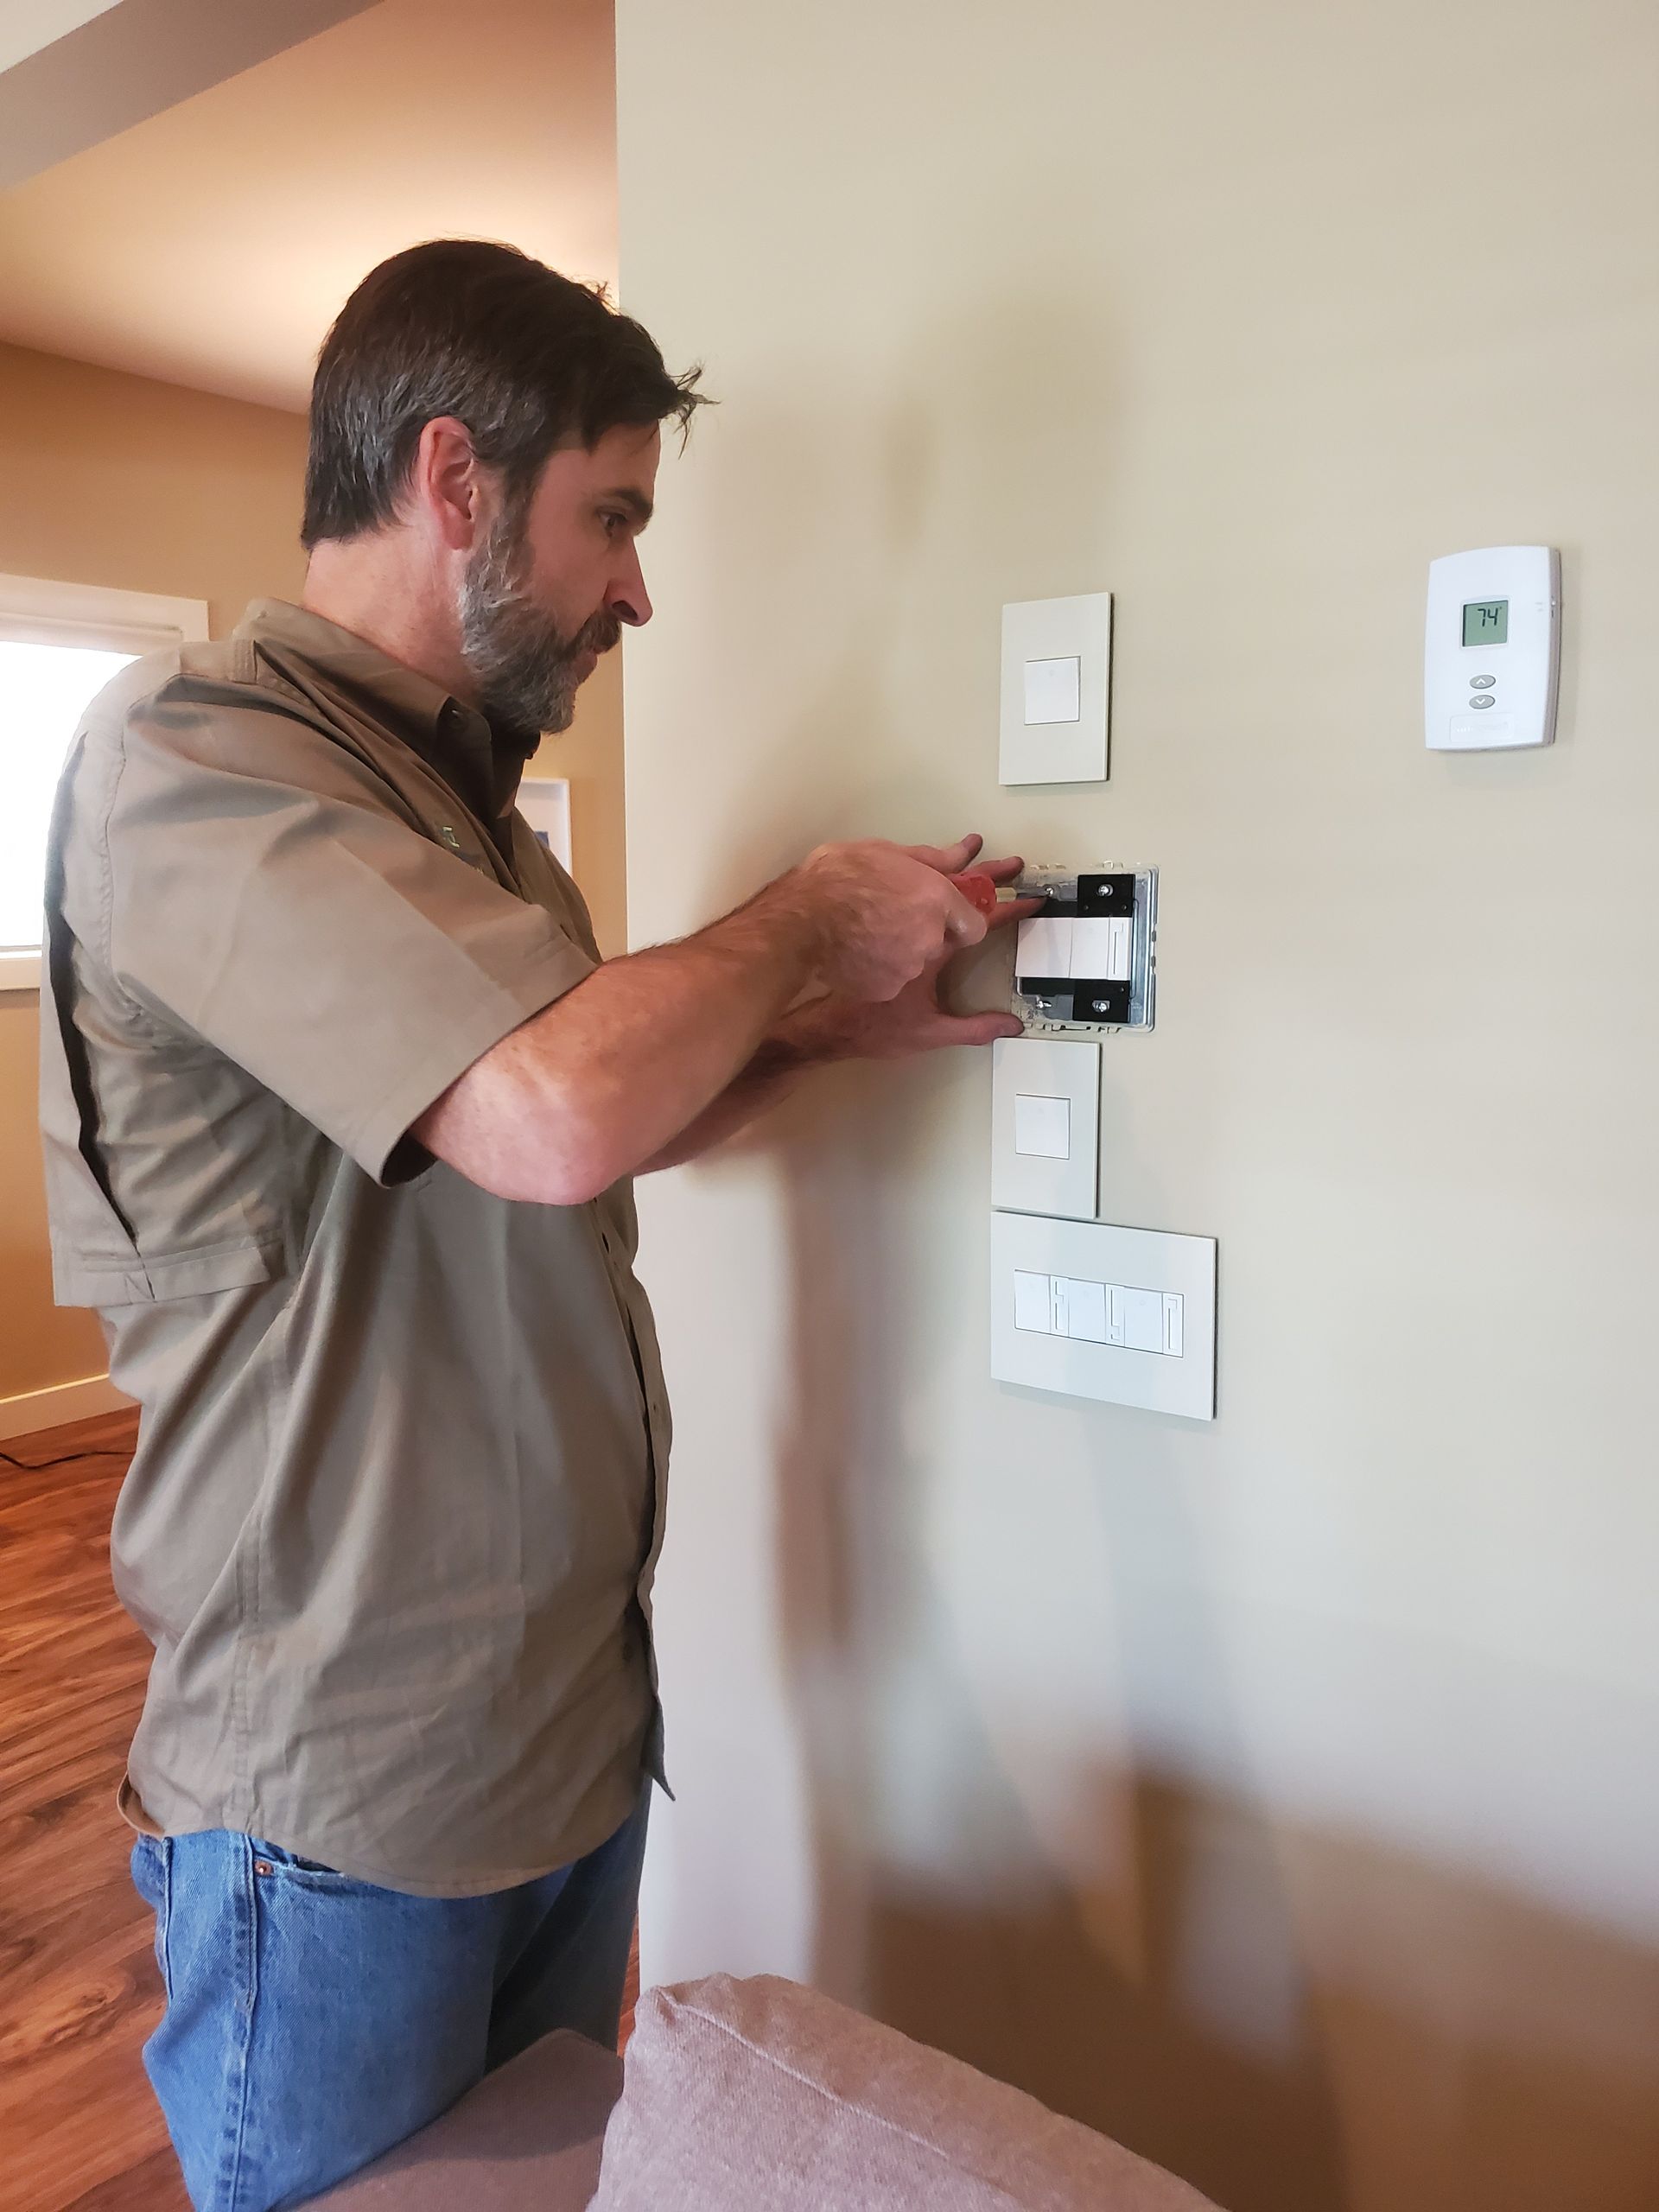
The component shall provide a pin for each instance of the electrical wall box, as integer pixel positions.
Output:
(1088, 962)
(1045, 1126)
(1492, 654)
(1124, 1315)
(1056, 704)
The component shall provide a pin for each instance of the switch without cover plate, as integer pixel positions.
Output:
(1057, 659)
(1126, 1315)
(1088, 962)
(1045, 1126)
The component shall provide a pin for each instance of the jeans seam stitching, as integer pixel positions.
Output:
(248, 1992)
(164, 1923)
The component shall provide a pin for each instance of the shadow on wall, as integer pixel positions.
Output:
(1500, 2107)
(1294, 2019)
(1297, 2020)
(1025, 1981)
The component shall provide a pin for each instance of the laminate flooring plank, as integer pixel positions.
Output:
(152, 2186)
(79, 1989)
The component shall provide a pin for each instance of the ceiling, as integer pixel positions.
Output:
(28, 25)
(211, 245)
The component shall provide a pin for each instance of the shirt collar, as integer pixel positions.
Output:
(483, 765)
(403, 694)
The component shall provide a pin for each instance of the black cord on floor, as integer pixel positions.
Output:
(36, 1466)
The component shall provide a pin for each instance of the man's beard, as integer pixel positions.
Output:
(523, 665)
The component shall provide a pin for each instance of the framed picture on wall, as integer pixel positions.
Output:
(545, 802)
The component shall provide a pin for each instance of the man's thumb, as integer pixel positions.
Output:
(983, 1028)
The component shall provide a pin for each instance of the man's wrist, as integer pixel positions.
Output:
(795, 922)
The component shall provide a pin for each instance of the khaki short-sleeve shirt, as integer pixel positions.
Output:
(398, 1490)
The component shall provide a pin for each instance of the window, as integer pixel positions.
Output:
(59, 645)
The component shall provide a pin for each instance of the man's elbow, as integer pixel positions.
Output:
(575, 1178)
(562, 1183)
(536, 1150)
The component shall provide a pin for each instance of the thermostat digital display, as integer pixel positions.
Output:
(1486, 622)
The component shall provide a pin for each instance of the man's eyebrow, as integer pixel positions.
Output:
(636, 503)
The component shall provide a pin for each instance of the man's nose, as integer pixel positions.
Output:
(627, 598)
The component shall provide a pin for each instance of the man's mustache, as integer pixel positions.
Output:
(599, 634)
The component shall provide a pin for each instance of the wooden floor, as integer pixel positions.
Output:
(79, 1989)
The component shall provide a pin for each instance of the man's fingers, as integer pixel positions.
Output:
(978, 1028)
(950, 860)
(1001, 871)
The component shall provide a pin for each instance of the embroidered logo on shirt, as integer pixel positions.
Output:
(451, 837)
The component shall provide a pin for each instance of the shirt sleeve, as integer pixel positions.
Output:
(269, 893)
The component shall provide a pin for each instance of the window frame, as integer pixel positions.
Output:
(106, 618)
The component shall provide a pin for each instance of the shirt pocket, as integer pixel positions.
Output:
(192, 1180)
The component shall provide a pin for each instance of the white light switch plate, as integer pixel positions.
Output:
(1053, 690)
(1042, 1127)
(1044, 740)
(1031, 1077)
(1152, 1295)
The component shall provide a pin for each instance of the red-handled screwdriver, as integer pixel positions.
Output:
(980, 890)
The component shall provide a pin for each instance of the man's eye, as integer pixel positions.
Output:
(613, 524)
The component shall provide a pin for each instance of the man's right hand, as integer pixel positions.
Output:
(887, 912)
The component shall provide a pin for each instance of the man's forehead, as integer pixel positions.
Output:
(622, 461)
(628, 446)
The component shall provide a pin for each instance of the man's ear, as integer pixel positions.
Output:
(448, 484)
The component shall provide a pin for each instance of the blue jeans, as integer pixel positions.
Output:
(312, 2021)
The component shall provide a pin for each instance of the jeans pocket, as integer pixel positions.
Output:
(274, 1862)
(152, 1877)
(287, 1862)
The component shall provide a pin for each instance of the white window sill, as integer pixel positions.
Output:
(19, 971)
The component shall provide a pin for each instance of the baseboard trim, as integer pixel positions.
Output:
(65, 1401)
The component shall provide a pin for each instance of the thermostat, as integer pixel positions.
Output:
(1492, 654)
(1086, 962)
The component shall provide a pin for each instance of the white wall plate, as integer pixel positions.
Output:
(1045, 1126)
(1056, 661)
(1130, 1313)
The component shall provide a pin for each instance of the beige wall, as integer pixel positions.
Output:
(110, 479)
(1280, 1795)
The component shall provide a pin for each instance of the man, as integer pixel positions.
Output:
(341, 1107)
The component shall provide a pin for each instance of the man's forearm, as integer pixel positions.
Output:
(800, 1041)
(558, 1111)
(616, 1074)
